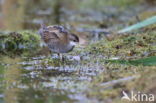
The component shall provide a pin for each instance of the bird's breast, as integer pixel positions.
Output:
(61, 48)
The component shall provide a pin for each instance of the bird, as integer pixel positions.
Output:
(58, 39)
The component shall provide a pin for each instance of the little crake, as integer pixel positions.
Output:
(58, 38)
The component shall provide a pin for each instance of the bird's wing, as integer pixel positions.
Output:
(60, 31)
(50, 36)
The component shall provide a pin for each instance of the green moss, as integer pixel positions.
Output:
(139, 45)
(18, 42)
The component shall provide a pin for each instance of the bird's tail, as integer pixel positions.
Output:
(42, 29)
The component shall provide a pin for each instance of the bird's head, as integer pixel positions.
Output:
(74, 39)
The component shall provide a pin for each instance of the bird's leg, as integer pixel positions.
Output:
(61, 56)
(58, 55)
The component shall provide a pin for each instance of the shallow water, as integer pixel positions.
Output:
(35, 80)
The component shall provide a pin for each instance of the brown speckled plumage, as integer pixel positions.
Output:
(58, 38)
